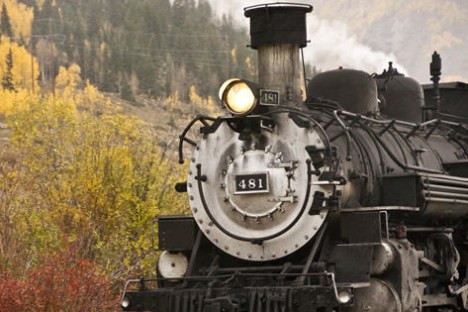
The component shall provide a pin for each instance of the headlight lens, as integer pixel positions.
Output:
(238, 96)
(125, 302)
(345, 296)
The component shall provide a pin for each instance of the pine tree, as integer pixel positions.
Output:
(7, 79)
(5, 25)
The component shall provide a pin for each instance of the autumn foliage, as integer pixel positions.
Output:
(74, 168)
(81, 185)
(61, 281)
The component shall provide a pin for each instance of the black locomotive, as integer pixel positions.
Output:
(348, 195)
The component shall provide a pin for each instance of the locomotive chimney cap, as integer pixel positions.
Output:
(278, 23)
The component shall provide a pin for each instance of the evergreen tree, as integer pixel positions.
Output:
(5, 25)
(7, 79)
(168, 45)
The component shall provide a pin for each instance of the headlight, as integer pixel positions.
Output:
(172, 265)
(345, 296)
(125, 303)
(239, 96)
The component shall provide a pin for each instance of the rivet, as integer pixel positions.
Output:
(200, 221)
(189, 184)
(249, 256)
(210, 224)
(222, 185)
(191, 197)
(195, 210)
(192, 159)
(306, 237)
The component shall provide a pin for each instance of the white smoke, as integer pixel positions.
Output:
(331, 44)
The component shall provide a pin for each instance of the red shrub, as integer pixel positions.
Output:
(61, 282)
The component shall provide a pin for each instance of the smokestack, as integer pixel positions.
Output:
(278, 32)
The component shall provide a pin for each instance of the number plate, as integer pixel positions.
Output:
(253, 183)
(269, 97)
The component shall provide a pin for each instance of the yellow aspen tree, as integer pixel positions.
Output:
(25, 68)
(21, 18)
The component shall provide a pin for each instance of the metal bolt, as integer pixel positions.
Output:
(401, 232)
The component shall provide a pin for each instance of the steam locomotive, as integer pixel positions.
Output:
(348, 195)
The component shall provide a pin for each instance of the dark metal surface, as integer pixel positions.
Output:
(248, 299)
(176, 233)
(279, 23)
